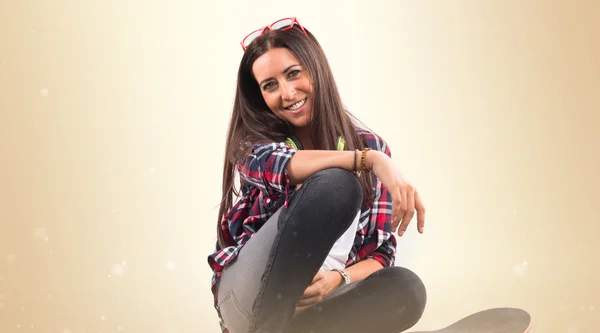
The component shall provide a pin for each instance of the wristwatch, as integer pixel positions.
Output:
(344, 275)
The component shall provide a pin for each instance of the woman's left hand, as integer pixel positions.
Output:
(322, 285)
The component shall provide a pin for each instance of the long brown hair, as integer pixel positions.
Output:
(252, 121)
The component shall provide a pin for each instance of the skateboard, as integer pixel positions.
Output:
(494, 320)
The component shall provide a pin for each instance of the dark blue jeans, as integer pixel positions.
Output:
(258, 293)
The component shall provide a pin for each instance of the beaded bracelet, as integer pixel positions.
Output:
(364, 152)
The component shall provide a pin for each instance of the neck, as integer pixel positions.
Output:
(303, 135)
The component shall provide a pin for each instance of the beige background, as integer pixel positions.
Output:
(112, 121)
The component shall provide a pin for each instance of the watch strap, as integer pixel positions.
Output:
(344, 275)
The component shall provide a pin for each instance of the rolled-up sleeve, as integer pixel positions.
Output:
(266, 169)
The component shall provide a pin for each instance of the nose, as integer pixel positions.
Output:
(288, 91)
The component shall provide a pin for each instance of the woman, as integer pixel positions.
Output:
(308, 245)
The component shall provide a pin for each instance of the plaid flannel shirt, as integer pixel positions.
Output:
(265, 184)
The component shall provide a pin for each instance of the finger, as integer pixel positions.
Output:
(420, 213)
(403, 208)
(404, 203)
(308, 301)
(397, 202)
(319, 276)
(410, 211)
(301, 308)
(311, 291)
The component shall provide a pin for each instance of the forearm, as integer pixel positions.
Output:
(305, 163)
(362, 269)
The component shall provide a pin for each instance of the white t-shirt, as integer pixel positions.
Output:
(341, 249)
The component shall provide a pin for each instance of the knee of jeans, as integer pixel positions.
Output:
(336, 182)
(410, 287)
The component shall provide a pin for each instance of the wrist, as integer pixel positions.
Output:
(371, 158)
(339, 280)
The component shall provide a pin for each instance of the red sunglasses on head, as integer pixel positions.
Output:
(283, 24)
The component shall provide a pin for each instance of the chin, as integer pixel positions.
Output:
(300, 123)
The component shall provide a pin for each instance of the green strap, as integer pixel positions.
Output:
(291, 143)
(340, 145)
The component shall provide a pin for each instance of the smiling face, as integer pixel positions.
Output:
(285, 85)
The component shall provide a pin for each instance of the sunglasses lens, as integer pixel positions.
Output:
(281, 24)
(251, 37)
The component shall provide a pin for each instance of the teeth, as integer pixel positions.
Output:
(297, 105)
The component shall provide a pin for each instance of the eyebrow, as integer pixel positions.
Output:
(284, 71)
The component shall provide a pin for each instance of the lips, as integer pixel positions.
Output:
(296, 106)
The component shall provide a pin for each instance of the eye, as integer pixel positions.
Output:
(294, 73)
(269, 85)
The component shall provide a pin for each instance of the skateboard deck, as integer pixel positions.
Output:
(495, 320)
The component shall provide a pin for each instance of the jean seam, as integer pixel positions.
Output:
(271, 259)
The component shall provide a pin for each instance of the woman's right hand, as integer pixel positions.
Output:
(405, 198)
